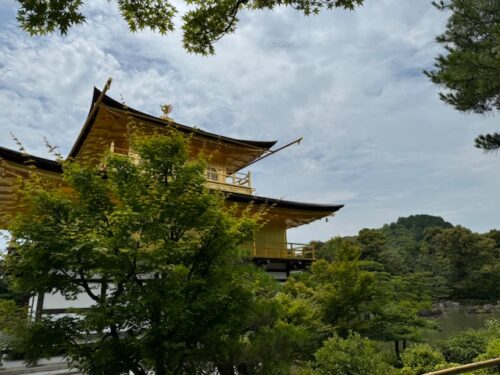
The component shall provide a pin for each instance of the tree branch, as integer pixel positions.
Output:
(85, 286)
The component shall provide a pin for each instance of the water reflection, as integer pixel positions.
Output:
(455, 319)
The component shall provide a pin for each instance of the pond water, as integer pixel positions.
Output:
(455, 319)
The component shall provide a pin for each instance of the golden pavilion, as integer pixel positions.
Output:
(105, 128)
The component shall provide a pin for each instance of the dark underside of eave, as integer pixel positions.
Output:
(245, 198)
(26, 159)
(110, 102)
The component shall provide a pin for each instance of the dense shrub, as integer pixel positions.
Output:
(492, 351)
(492, 329)
(464, 346)
(352, 356)
(421, 358)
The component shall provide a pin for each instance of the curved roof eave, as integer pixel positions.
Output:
(245, 198)
(54, 166)
(22, 158)
(110, 102)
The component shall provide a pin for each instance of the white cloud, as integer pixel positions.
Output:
(376, 137)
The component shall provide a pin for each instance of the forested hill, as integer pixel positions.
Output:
(456, 262)
(414, 226)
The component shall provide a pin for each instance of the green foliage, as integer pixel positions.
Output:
(204, 23)
(464, 346)
(353, 355)
(345, 292)
(157, 15)
(5, 290)
(41, 17)
(350, 294)
(42, 338)
(453, 262)
(328, 250)
(394, 262)
(398, 319)
(305, 313)
(473, 346)
(466, 260)
(495, 236)
(492, 351)
(488, 142)
(160, 256)
(372, 243)
(421, 358)
(471, 68)
(12, 322)
(416, 225)
(403, 242)
(492, 328)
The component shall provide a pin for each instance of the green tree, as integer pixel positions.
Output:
(302, 310)
(203, 24)
(353, 355)
(464, 346)
(432, 260)
(12, 322)
(345, 292)
(159, 255)
(6, 292)
(328, 250)
(467, 260)
(352, 295)
(468, 345)
(403, 240)
(372, 243)
(417, 225)
(386, 308)
(398, 320)
(470, 70)
(492, 351)
(375, 247)
(421, 358)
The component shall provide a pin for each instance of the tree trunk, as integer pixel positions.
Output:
(396, 348)
(158, 355)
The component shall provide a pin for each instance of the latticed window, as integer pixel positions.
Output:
(212, 174)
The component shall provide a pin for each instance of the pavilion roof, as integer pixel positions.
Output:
(295, 213)
(27, 159)
(107, 101)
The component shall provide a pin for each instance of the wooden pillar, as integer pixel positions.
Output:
(39, 306)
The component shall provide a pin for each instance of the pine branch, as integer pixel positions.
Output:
(488, 142)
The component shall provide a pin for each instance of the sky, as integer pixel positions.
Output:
(376, 136)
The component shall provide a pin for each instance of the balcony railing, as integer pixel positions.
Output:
(495, 362)
(269, 250)
(236, 182)
(239, 179)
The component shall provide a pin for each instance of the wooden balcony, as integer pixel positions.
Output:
(287, 251)
(236, 182)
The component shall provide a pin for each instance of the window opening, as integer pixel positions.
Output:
(212, 174)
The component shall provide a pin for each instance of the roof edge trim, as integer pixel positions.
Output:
(25, 159)
(280, 203)
(100, 97)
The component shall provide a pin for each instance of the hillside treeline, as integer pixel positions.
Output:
(455, 262)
